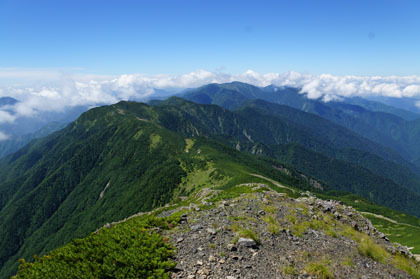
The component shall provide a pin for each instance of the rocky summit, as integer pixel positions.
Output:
(265, 234)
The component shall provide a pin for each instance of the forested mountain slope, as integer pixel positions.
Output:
(388, 126)
(260, 126)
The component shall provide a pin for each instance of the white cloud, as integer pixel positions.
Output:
(56, 91)
(3, 136)
(6, 117)
(411, 90)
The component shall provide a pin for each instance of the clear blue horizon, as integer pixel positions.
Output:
(175, 37)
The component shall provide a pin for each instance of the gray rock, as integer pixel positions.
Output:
(383, 236)
(211, 231)
(196, 227)
(224, 203)
(180, 239)
(246, 242)
(231, 247)
(337, 215)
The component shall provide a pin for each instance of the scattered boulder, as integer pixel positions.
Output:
(179, 239)
(246, 242)
(211, 231)
(231, 247)
(183, 219)
(196, 227)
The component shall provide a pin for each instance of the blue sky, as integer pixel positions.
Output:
(155, 36)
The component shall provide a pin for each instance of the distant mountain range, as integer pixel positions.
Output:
(394, 128)
(24, 129)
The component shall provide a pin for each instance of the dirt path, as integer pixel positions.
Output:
(387, 219)
(272, 181)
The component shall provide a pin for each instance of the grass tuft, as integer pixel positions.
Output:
(270, 209)
(273, 225)
(372, 250)
(290, 270)
(347, 262)
(245, 233)
(300, 228)
(320, 269)
(406, 265)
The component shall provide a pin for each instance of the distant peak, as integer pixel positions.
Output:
(7, 101)
(174, 100)
(238, 82)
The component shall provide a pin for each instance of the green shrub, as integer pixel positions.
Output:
(127, 250)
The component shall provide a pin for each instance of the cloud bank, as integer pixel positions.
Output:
(62, 91)
(3, 136)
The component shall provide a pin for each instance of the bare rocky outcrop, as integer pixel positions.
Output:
(266, 234)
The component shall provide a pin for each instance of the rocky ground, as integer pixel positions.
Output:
(265, 234)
